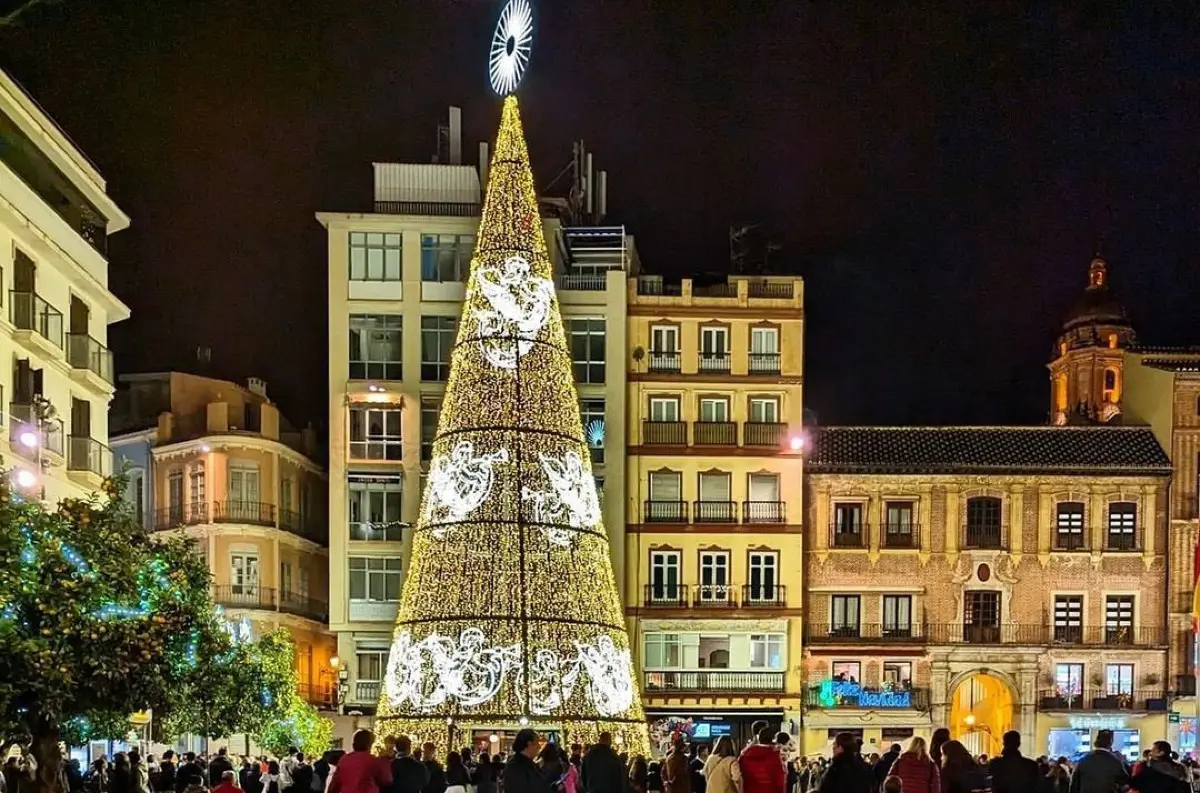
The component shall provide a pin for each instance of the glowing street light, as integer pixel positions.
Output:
(26, 478)
(28, 439)
(796, 443)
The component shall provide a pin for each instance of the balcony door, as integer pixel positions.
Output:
(764, 576)
(24, 272)
(79, 316)
(664, 409)
(243, 484)
(664, 340)
(243, 575)
(716, 497)
(981, 617)
(765, 505)
(897, 615)
(714, 576)
(665, 576)
(764, 410)
(81, 418)
(714, 410)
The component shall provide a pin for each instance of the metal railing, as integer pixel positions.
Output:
(245, 596)
(771, 289)
(666, 595)
(848, 535)
(756, 433)
(726, 289)
(28, 311)
(84, 352)
(713, 363)
(256, 512)
(582, 282)
(764, 512)
(714, 433)
(707, 680)
(714, 595)
(764, 596)
(1147, 699)
(1008, 633)
(763, 363)
(303, 606)
(853, 696)
(985, 536)
(302, 525)
(663, 361)
(714, 511)
(88, 454)
(664, 433)
(367, 692)
(901, 535)
(319, 694)
(1070, 540)
(655, 286)
(897, 632)
(1122, 541)
(665, 512)
(176, 515)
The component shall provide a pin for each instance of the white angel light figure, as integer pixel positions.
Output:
(436, 669)
(571, 499)
(610, 675)
(519, 309)
(458, 483)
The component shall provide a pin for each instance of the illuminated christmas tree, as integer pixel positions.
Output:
(510, 612)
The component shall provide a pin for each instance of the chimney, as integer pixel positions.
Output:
(589, 187)
(456, 136)
(257, 386)
(602, 196)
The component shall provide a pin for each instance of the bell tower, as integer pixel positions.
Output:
(1087, 371)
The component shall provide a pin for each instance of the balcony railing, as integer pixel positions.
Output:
(663, 361)
(664, 433)
(764, 596)
(837, 633)
(1152, 699)
(255, 512)
(844, 695)
(303, 606)
(88, 454)
(848, 535)
(764, 512)
(245, 596)
(713, 363)
(84, 352)
(1070, 541)
(763, 363)
(367, 692)
(778, 290)
(655, 286)
(983, 537)
(714, 433)
(714, 511)
(714, 595)
(28, 311)
(302, 525)
(176, 515)
(582, 282)
(1008, 633)
(666, 595)
(318, 694)
(759, 433)
(1122, 541)
(665, 512)
(707, 680)
(901, 535)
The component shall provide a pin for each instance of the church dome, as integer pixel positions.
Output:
(1098, 305)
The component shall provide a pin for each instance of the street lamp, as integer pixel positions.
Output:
(342, 685)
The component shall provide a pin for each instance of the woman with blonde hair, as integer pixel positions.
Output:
(721, 771)
(918, 773)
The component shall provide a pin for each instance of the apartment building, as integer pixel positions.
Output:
(396, 282)
(55, 305)
(714, 501)
(217, 461)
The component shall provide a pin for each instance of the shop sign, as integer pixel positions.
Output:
(1096, 723)
(1173, 717)
(835, 693)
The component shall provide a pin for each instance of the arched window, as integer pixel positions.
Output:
(983, 522)
(1060, 391)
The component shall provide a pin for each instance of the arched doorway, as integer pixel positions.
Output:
(981, 711)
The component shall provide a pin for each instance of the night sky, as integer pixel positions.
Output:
(940, 174)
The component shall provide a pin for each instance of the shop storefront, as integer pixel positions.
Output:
(707, 727)
(879, 715)
(1066, 735)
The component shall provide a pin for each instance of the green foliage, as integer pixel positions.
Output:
(301, 726)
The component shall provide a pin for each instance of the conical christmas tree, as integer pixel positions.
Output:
(510, 613)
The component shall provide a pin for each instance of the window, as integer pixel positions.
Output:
(374, 579)
(844, 615)
(135, 493)
(375, 507)
(591, 412)
(764, 576)
(285, 577)
(664, 409)
(175, 495)
(371, 664)
(1118, 679)
(1118, 619)
(587, 349)
(374, 256)
(714, 349)
(1112, 386)
(766, 651)
(714, 409)
(764, 350)
(1068, 680)
(714, 576)
(664, 339)
(375, 433)
(285, 493)
(897, 674)
(446, 257)
(848, 526)
(1122, 526)
(665, 576)
(1068, 526)
(764, 410)
(898, 529)
(983, 522)
(1068, 618)
(665, 486)
(437, 340)
(243, 482)
(243, 570)
(763, 504)
(897, 615)
(663, 650)
(715, 496)
(196, 494)
(375, 347)
(981, 617)
(431, 409)
(847, 671)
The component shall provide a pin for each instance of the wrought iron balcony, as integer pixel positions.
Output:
(255, 512)
(245, 596)
(714, 433)
(758, 433)
(848, 535)
(176, 515)
(1103, 699)
(764, 512)
(764, 596)
(88, 454)
(714, 511)
(713, 363)
(666, 595)
(582, 282)
(664, 433)
(665, 512)
(1008, 633)
(28, 311)
(84, 352)
(660, 361)
(367, 692)
(866, 633)
(303, 606)
(901, 535)
(715, 595)
(763, 363)
(778, 290)
(711, 680)
(986, 536)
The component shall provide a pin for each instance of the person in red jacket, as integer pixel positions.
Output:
(360, 771)
(918, 773)
(762, 766)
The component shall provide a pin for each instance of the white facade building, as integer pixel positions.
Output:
(55, 304)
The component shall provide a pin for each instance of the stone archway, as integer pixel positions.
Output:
(982, 708)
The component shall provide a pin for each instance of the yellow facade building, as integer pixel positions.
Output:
(714, 501)
(217, 461)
